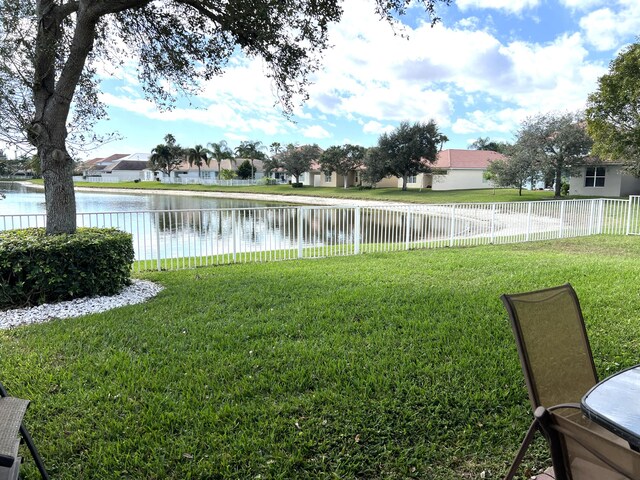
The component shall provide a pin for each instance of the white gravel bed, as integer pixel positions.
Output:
(138, 292)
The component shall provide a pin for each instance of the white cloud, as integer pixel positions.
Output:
(316, 131)
(376, 127)
(582, 4)
(606, 29)
(505, 121)
(376, 79)
(510, 6)
(471, 23)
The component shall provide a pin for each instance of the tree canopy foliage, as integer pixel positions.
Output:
(342, 159)
(515, 170)
(487, 144)
(219, 151)
(296, 160)
(251, 150)
(557, 143)
(411, 149)
(50, 49)
(613, 111)
(166, 157)
(198, 156)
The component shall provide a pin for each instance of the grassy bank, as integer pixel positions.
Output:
(380, 194)
(377, 366)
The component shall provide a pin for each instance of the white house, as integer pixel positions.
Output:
(119, 167)
(604, 180)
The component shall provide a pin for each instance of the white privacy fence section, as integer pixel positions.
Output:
(188, 238)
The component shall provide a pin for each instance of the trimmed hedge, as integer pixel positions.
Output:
(36, 268)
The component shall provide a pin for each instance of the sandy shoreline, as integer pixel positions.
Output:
(265, 197)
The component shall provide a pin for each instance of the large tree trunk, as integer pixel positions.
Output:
(345, 181)
(52, 100)
(558, 186)
(60, 200)
(404, 183)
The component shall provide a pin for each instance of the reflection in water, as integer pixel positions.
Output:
(182, 227)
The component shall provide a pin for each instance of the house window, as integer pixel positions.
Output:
(594, 177)
(412, 179)
(206, 174)
(327, 177)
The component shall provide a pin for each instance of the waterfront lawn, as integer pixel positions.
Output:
(381, 194)
(389, 366)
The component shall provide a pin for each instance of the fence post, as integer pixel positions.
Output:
(407, 229)
(233, 233)
(562, 207)
(630, 208)
(356, 231)
(159, 264)
(600, 215)
(528, 234)
(592, 211)
(300, 240)
(452, 234)
(493, 223)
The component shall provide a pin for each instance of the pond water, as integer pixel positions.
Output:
(20, 199)
(166, 227)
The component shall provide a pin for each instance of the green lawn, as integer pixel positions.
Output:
(379, 366)
(383, 194)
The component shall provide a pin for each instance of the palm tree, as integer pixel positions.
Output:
(251, 150)
(220, 151)
(160, 157)
(197, 156)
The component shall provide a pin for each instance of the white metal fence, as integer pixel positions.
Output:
(187, 238)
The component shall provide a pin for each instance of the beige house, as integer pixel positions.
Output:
(456, 170)
(604, 180)
(460, 170)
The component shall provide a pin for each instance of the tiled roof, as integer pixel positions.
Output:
(91, 162)
(114, 157)
(128, 165)
(454, 158)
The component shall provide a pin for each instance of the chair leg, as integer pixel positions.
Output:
(558, 459)
(528, 438)
(34, 452)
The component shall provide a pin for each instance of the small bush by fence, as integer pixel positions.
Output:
(36, 268)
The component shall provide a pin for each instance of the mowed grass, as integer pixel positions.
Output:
(381, 194)
(379, 366)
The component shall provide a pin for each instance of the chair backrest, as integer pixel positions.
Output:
(586, 451)
(552, 344)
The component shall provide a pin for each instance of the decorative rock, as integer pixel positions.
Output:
(137, 292)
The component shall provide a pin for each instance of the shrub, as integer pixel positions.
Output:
(245, 170)
(564, 189)
(36, 268)
(296, 184)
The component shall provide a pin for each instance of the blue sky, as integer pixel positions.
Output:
(484, 69)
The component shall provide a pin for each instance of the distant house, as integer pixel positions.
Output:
(461, 170)
(95, 166)
(125, 170)
(456, 169)
(119, 167)
(186, 173)
(316, 177)
(604, 180)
